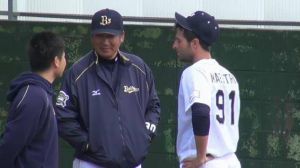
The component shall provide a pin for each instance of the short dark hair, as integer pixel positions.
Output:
(42, 49)
(189, 35)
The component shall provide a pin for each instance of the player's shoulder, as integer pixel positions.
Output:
(84, 61)
(203, 66)
(211, 66)
(226, 72)
(82, 65)
(31, 93)
(136, 62)
(132, 58)
(194, 72)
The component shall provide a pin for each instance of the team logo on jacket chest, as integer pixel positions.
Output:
(130, 89)
(62, 99)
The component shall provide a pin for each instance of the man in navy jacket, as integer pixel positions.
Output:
(30, 138)
(108, 108)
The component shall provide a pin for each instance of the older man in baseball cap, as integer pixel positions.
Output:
(108, 108)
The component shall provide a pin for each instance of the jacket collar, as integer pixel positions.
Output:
(122, 57)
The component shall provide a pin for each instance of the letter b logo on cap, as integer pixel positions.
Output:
(105, 20)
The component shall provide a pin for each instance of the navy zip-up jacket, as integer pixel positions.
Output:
(116, 124)
(30, 138)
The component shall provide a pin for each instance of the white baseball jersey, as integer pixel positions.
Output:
(209, 83)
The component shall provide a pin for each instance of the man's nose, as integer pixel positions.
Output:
(106, 40)
(174, 45)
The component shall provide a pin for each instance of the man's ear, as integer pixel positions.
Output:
(56, 62)
(122, 36)
(195, 43)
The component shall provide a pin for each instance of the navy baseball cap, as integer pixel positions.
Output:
(202, 24)
(107, 21)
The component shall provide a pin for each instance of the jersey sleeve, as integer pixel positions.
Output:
(196, 88)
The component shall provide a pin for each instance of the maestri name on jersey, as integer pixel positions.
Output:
(223, 78)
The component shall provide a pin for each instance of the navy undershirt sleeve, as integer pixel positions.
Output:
(200, 119)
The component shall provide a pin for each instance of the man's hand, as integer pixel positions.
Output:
(194, 163)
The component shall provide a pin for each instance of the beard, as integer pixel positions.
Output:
(185, 57)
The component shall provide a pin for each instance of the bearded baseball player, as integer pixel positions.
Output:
(208, 98)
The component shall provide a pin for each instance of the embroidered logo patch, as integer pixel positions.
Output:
(195, 95)
(96, 92)
(62, 99)
(130, 89)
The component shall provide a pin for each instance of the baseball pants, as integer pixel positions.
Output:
(227, 161)
(77, 163)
